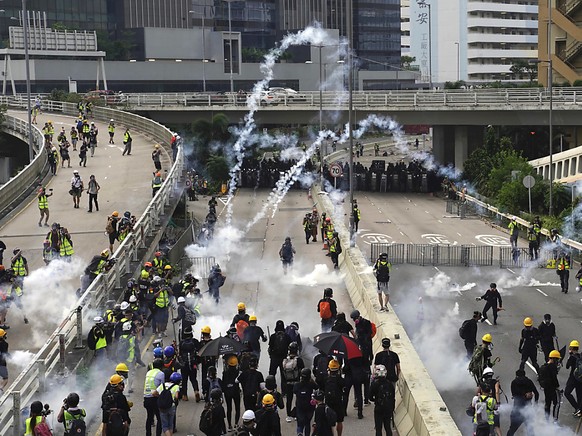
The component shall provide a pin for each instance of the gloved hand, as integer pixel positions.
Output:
(478, 299)
(130, 404)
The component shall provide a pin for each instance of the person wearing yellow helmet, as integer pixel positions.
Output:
(115, 405)
(231, 389)
(547, 331)
(253, 334)
(99, 264)
(241, 320)
(574, 381)
(548, 380)
(156, 156)
(267, 417)
(493, 302)
(333, 392)
(528, 344)
(207, 361)
(481, 357)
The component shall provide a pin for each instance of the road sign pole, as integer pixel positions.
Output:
(529, 195)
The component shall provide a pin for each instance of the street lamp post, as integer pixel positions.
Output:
(202, 14)
(458, 62)
(230, 46)
(550, 90)
(429, 46)
(351, 115)
(27, 66)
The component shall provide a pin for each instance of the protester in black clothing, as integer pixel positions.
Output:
(356, 374)
(231, 390)
(268, 423)
(292, 366)
(528, 344)
(550, 382)
(271, 388)
(573, 384)
(278, 346)
(320, 366)
(523, 391)
(250, 381)
(212, 381)
(335, 391)
(382, 393)
(327, 308)
(494, 302)
(113, 402)
(217, 427)
(547, 331)
(468, 332)
(323, 418)
(390, 360)
(363, 334)
(2, 248)
(189, 347)
(303, 390)
(253, 334)
(342, 326)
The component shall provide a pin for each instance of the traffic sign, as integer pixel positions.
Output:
(335, 170)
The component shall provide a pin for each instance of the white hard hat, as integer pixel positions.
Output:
(97, 320)
(181, 300)
(132, 299)
(124, 305)
(127, 326)
(111, 120)
(157, 279)
(487, 371)
(249, 415)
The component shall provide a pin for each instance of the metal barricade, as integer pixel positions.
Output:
(200, 266)
(395, 253)
(476, 255)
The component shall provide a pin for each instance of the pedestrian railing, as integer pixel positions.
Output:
(201, 266)
(32, 173)
(50, 360)
(460, 255)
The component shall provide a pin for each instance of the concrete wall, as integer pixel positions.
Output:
(420, 410)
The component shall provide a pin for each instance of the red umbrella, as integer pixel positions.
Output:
(334, 343)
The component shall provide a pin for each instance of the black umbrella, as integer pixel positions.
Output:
(334, 343)
(220, 346)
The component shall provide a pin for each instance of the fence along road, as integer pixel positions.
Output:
(125, 185)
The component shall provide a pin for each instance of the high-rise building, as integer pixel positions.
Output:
(475, 40)
(565, 41)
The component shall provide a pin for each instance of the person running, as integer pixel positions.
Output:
(286, 254)
(493, 302)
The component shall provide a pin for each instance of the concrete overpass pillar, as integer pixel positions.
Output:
(461, 146)
(443, 140)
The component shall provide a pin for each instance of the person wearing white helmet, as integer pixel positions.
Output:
(248, 424)
(186, 317)
(97, 339)
(127, 350)
(111, 130)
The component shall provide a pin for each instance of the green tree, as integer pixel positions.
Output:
(406, 61)
(217, 168)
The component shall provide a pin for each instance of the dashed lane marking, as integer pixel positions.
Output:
(511, 271)
(531, 367)
(459, 234)
(440, 221)
(436, 268)
(542, 292)
(488, 322)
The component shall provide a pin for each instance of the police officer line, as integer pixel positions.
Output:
(50, 359)
(420, 409)
(32, 173)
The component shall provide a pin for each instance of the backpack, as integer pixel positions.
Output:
(157, 180)
(374, 329)
(290, 369)
(333, 390)
(42, 428)
(481, 407)
(382, 272)
(213, 383)
(544, 375)
(280, 343)
(287, 251)
(320, 368)
(241, 326)
(109, 227)
(206, 419)
(78, 426)
(115, 425)
(331, 416)
(165, 399)
(476, 363)
(578, 370)
(189, 316)
(325, 309)
(292, 333)
(385, 396)
(463, 329)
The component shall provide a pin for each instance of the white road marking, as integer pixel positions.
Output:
(440, 221)
(488, 322)
(511, 271)
(542, 292)
(402, 233)
(437, 268)
(426, 211)
(531, 366)
(459, 234)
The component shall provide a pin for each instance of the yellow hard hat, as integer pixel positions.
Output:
(555, 354)
(574, 344)
(252, 318)
(167, 267)
(121, 367)
(241, 306)
(268, 400)
(2, 333)
(115, 379)
(528, 322)
(157, 146)
(105, 253)
(115, 214)
(232, 361)
(487, 338)
(206, 329)
(333, 365)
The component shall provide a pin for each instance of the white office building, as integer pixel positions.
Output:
(472, 40)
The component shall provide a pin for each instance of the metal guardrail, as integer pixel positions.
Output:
(49, 359)
(32, 172)
(511, 98)
(395, 253)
